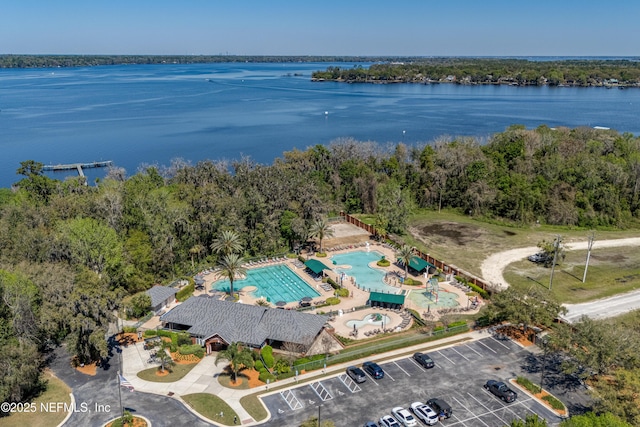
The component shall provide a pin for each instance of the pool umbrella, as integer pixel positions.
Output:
(199, 281)
(306, 299)
(281, 304)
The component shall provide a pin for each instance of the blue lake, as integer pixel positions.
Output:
(150, 114)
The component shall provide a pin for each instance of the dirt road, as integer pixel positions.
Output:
(493, 266)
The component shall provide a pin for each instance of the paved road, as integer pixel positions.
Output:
(493, 266)
(100, 394)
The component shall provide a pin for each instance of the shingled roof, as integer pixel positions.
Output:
(160, 294)
(249, 324)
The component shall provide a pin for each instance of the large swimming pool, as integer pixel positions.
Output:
(273, 283)
(356, 264)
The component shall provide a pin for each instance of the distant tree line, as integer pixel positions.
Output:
(42, 61)
(69, 253)
(521, 72)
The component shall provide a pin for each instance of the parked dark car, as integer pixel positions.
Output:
(370, 424)
(442, 408)
(373, 369)
(424, 360)
(501, 390)
(356, 374)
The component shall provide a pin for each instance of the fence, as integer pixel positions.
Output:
(446, 268)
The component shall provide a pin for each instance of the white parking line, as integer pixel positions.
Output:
(372, 380)
(386, 374)
(463, 356)
(471, 348)
(498, 341)
(483, 344)
(487, 408)
(402, 369)
(440, 353)
(470, 411)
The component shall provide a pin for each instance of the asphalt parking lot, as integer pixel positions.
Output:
(457, 378)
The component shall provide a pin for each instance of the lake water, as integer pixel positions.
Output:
(150, 114)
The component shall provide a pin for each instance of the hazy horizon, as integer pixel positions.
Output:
(372, 28)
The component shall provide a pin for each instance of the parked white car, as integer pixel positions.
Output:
(424, 413)
(404, 417)
(388, 421)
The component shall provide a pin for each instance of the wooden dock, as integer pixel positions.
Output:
(77, 166)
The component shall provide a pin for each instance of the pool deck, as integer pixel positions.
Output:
(357, 296)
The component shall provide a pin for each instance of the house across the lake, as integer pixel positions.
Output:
(215, 324)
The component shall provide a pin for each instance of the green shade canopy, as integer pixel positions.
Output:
(316, 266)
(418, 264)
(386, 298)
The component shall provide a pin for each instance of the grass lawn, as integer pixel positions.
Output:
(611, 271)
(211, 407)
(178, 371)
(254, 407)
(57, 391)
(465, 242)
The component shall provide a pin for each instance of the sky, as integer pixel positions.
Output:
(328, 27)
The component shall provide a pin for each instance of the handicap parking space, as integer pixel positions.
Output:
(457, 378)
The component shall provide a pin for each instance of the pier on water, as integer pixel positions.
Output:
(78, 166)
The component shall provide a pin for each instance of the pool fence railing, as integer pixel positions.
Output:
(446, 268)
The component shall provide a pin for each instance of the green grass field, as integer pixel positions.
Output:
(611, 271)
(177, 372)
(211, 407)
(57, 391)
(465, 242)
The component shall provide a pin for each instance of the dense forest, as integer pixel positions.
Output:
(70, 252)
(520, 72)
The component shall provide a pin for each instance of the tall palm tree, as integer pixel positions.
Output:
(405, 255)
(227, 243)
(321, 229)
(238, 358)
(195, 250)
(231, 266)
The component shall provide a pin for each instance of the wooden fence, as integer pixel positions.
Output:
(446, 268)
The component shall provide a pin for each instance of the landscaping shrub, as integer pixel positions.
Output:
(418, 320)
(458, 323)
(194, 349)
(267, 356)
(333, 300)
(129, 329)
(333, 283)
(555, 403)
(149, 333)
(266, 375)
(526, 383)
(258, 365)
(183, 339)
(321, 254)
(412, 282)
(342, 292)
(282, 366)
(186, 292)
(301, 361)
(383, 263)
(438, 328)
(301, 259)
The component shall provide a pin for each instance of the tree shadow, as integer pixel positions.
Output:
(572, 275)
(537, 282)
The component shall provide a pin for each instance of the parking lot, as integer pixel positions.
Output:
(458, 377)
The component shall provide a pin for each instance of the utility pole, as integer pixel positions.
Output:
(556, 245)
(592, 237)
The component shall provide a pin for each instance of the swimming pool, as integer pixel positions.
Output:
(370, 279)
(273, 283)
(370, 319)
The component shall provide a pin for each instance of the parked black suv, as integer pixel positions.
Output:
(424, 360)
(373, 369)
(440, 407)
(356, 374)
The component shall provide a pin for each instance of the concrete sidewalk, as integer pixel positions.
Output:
(203, 378)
